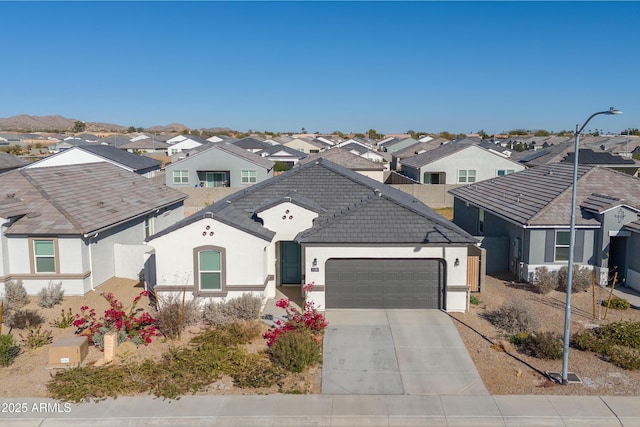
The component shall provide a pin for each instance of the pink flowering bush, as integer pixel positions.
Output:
(310, 319)
(133, 325)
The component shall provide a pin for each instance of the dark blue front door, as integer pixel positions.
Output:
(290, 263)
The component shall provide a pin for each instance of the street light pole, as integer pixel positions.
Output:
(572, 239)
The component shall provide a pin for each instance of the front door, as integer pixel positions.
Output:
(290, 263)
(617, 259)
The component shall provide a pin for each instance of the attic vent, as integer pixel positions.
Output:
(377, 192)
(11, 196)
(549, 172)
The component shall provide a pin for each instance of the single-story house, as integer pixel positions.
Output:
(522, 219)
(459, 162)
(360, 243)
(79, 224)
(587, 156)
(283, 154)
(349, 160)
(413, 150)
(251, 144)
(84, 154)
(148, 145)
(304, 145)
(186, 144)
(218, 165)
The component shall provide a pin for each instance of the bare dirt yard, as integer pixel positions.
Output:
(512, 372)
(29, 373)
(503, 372)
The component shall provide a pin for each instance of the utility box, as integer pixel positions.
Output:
(68, 352)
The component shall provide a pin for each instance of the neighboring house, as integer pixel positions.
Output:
(148, 145)
(304, 145)
(349, 160)
(633, 266)
(115, 141)
(220, 165)
(587, 156)
(360, 243)
(459, 162)
(84, 154)
(397, 144)
(415, 149)
(283, 154)
(80, 224)
(186, 144)
(219, 138)
(251, 144)
(523, 219)
(10, 162)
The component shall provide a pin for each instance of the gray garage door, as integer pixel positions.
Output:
(384, 283)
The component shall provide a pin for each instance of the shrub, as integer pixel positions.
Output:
(588, 340)
(582, 278)
(64, 320)
(255, 371)
(15, 295)
(246, 307)
(36, 337)
(170, 317)
(474, 300)
(513, 317)
(543, 345)
(295, 350)
(624, 357)
(22, 318)
(50, 295)
(134, 325)
(308, 320)
(621, 333)
(519, 338)
(546, 281)
(617, 303)
(9, 350)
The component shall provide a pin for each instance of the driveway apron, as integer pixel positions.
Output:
(377, 351)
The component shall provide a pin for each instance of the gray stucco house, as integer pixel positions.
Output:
(79, 224)
(523, 220)
(221, 164)
(361, 243)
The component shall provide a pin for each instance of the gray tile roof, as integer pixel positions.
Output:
(542, 196)
(291, 152)
(251, 143)
(115, 140)
(601, 203)
(438, 153)
(9, 161)
(145, 144)
(230, 148)
(130, 160)
(414, 149)
(587, 156)
(81, 199)
(338, 192)
(344, 157)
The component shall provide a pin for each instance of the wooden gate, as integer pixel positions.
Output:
(473, 273)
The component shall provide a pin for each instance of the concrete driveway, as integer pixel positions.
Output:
(396, 352)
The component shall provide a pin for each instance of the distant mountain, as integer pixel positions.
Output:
(28, 123)
(173, 127)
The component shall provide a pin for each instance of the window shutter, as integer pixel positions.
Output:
(578, 249)
(549, 245)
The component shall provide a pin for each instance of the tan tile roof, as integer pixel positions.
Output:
(80, 199)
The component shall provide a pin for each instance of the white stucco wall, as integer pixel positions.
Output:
(174, 254)
(485, 164)
(72, 156)
(455, 276)
(377, 175)
(287, 220)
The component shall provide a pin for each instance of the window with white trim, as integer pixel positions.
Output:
(562, 246)
(466, 176)
(503, 172)
(148, 226)
(180, 177)
(248, 177)
(210, 270)
(44, 254)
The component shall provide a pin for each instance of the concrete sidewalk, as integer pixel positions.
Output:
(324, 410)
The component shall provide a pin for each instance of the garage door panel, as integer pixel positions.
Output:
(384, 283)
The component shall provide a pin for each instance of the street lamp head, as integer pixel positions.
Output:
(613, 111)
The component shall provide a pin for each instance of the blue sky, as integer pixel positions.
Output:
(324, 66)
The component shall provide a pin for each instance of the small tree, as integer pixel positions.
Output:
(79, 126)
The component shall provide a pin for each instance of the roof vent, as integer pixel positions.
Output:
(550, 172)
(377, 192)
(11, 196)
